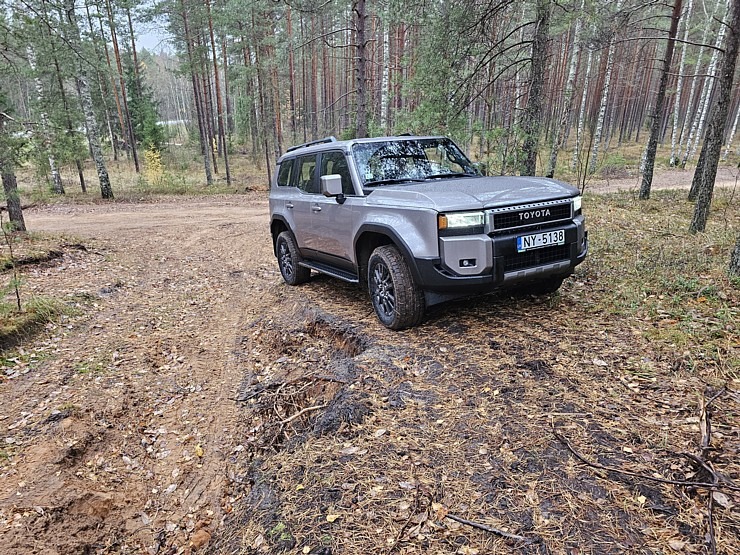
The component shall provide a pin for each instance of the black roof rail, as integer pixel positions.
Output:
(331, 139)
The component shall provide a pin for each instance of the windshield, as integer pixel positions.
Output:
(410, 160)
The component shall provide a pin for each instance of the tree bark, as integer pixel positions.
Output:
(10, 184)
(655, 127)
(219, 102)
(602, 104)
(129, 126)
(91, 123)
(204, 146)
(715, 132)
(531, 123)
(360, 70)
(56, 178)
(732, 135)
(697, 127)
(562, 125)
(679, 86)
(735, 259)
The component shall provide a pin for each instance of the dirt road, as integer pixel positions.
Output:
(123, 419)
(194, 403)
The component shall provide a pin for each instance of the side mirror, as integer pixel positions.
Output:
(331, 186)
(481, 168)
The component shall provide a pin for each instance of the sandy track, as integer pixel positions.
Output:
(126, 417)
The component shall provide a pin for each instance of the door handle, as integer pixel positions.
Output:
(316, 208)
(288, 205)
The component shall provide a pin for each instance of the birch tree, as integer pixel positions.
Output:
(604, 98)
(706, 172)
(83, 87)
(559, 135)
(679, 84)
(56, 178)
(697, 127)
(732, 135)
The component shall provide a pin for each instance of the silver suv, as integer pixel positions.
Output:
(416, 222)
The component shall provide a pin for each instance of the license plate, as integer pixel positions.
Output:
(540, 240)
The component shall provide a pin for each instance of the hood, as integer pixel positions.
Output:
(466, 193)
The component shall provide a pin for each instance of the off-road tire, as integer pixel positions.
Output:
(288, 258)
(397, 299)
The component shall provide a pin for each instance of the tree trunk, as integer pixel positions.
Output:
(10, 184)
(735, 259)
(531, 123)
(576, 163)
(602, 105)
(360, 71)
(697, 128)
(732, 135)
(655, 127)
(91, 123)
(292, 75)
(70, 127)
(129, 126)
(56, 178)
(562, 125)
(204, 146)
(716, 130)
(385, 75)
(219, 102)
(690, 115)
(679, 86)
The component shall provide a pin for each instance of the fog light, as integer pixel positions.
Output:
(468, 262)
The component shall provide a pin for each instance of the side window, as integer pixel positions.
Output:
(307, 174)
(285, 173)
(334, 162)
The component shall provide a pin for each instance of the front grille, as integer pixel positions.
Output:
(537, 257)
(530, 214)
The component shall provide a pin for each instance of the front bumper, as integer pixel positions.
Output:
(480, 263)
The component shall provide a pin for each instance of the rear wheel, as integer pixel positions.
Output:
(289, 259)
(397, 299)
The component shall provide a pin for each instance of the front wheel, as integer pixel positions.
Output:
(397, 299)
(288, 260)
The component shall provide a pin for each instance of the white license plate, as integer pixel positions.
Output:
(540, 240)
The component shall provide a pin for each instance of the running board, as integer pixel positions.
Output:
(330, 271)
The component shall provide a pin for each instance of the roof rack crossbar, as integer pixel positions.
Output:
(320, 141)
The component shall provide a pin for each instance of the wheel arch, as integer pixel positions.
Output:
(277, 226)
(371, 236)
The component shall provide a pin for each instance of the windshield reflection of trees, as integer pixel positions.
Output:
(398, 161)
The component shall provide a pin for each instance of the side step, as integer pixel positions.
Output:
(331, 271)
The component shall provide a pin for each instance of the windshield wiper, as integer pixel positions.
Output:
(392, 181)
(451, 174)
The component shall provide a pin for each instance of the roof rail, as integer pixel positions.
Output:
(320, 141)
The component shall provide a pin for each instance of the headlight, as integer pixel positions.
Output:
(457, 220)
(576, 204)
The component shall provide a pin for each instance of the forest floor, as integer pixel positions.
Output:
(191, 402)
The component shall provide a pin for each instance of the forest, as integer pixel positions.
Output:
(163, 390)
(534, 87)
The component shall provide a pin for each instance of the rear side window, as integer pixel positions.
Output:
(307, 174)
(285, 174)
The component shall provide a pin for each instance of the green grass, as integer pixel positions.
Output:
(648, 272)
(35, 313)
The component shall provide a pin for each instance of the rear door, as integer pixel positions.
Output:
(302, 204)
(332, 222)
